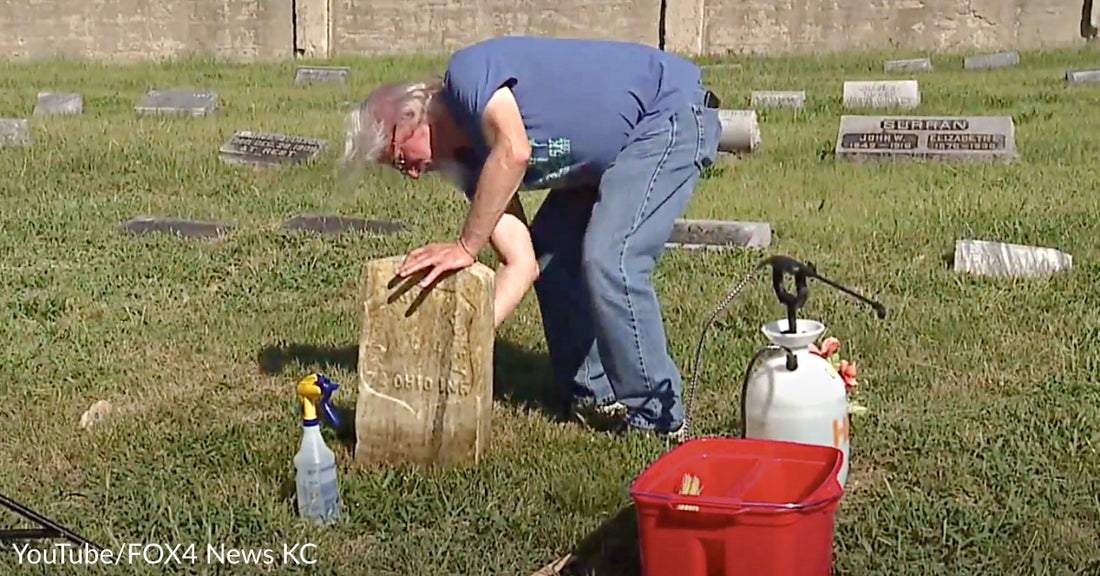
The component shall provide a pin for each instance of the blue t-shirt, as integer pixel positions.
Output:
(580, 100)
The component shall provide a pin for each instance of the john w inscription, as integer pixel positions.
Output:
(966, 138)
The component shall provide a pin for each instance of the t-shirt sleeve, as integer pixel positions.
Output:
(472, 76)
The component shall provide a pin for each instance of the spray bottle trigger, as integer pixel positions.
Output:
(324, 403)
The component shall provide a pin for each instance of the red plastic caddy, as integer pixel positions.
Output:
(752, 508)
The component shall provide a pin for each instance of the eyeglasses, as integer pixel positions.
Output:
(397, 157)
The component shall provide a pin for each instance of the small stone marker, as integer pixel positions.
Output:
(1000, 259)
(908, 65)
(695, 234)
(178, 102)
(952, 137)
(881, 94)
(987, 61)
(321, 74)
(15, 131)
(791, 99)
(740, 131)
(58, 103)
(269, 149)
(425, 367)
(1083, 76)
(335, 224)
(143, 225)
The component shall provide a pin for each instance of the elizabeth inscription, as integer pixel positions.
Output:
(988, 137)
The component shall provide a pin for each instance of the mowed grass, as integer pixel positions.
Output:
(979, 454)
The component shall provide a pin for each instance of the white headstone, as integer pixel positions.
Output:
(881, 94)
(15, 131)
(908, 65)
(1083, 76)
(58, 103)
(987, 61)
(791, 98)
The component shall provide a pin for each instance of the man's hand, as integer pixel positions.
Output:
(438, 257)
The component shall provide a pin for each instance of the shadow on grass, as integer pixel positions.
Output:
(612, 550)
(521, 377)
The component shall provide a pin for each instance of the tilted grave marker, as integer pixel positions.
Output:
(1002, 259)
(425, 367)
(908, 65)
(269, 149)
(719, 234)
(178, 103)
(778, 98)
(1083, 76)
(305, 75)
(988, 61)
(58, 103)
(15, 131)
(946, 137)
(881, 94)
(143, 225)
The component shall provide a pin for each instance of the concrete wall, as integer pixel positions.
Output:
(248, 30)
(140, 29)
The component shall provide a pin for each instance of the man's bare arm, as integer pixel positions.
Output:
(502, 172)
(511, 240)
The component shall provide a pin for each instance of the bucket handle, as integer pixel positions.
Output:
(733, 507)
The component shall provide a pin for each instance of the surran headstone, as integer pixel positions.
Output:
(947, 137)
(1001, 259)
(58, 103)
(178, 102)
(336, 224)
(15, 131)
(143, 225)
(712, 234)
(425, 367)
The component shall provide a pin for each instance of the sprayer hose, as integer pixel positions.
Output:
(690, 403)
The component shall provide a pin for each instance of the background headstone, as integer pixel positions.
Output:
(143, 225)
(779, 98)
(269, 149)
(740, 131)
(15, 131)
(1083, 76)
(425, 367)
(1001, 259)
(58, 103)
(178, 102)
(694, 234)
(321, 74)
(947, 137)
(336, 224)
(908, 65)
(987, 61)
(881, 94)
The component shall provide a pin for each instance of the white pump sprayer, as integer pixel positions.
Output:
(792, 394)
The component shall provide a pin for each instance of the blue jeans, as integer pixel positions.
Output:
(597, 249)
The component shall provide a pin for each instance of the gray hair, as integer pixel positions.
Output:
(370, 126)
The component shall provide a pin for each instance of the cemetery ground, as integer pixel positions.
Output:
(978, 454)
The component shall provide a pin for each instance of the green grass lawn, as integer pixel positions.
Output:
(979, 454)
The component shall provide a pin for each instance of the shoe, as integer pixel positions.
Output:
(600, 416)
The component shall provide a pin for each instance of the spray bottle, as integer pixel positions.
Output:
(315, 463)
(793, 395)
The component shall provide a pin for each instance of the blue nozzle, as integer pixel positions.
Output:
(324, 404)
